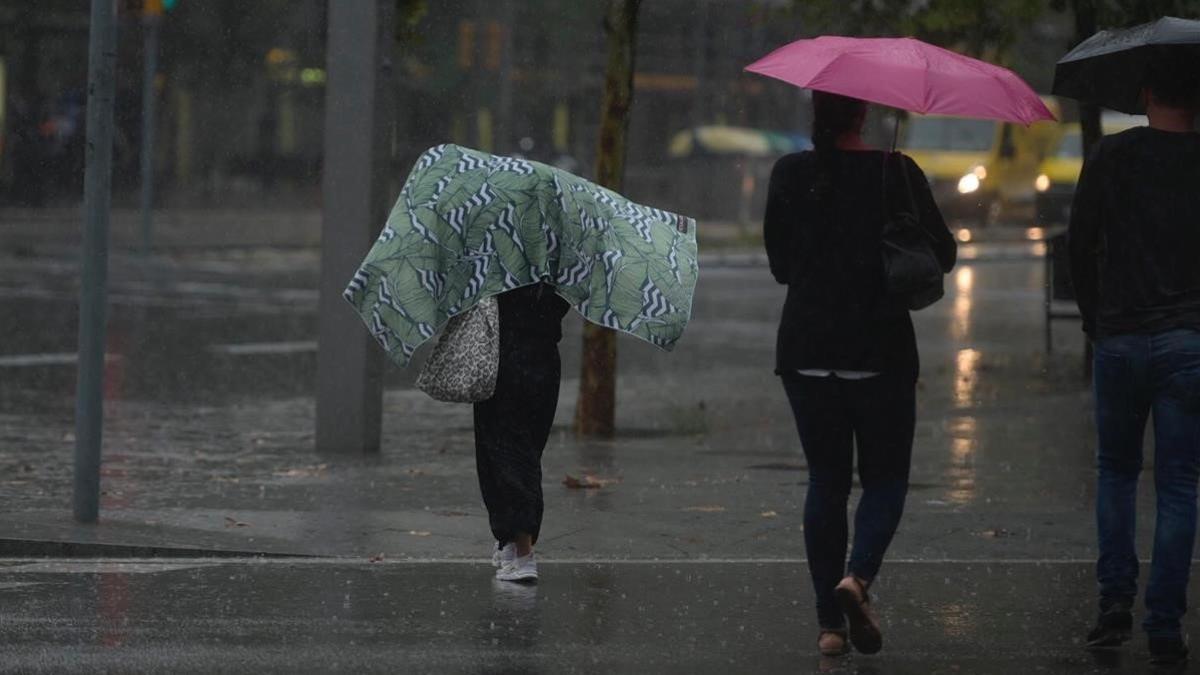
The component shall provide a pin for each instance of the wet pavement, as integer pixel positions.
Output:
(208, 616)
(209, 426)
(208, 447)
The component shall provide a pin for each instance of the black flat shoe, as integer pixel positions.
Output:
(856, 605)
(1113, 627)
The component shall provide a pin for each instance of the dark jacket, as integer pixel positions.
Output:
(822, 232)
(1134, 236)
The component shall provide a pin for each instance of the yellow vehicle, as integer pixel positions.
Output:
(980, 171)
(1055, 182)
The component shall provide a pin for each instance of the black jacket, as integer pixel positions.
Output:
(822, 232)
(1134, 236)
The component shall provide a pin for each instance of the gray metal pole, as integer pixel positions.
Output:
(358, 120)
(152, 23)
(97, 197)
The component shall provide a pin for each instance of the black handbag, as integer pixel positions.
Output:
(912, 275)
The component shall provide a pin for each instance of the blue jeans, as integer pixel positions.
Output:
(1136, 375)
(833, 416)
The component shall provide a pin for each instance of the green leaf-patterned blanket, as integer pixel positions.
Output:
(469, 225)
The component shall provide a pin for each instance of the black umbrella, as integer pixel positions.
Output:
(1109, 68)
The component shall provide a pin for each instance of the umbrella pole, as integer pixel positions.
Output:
(896, 132)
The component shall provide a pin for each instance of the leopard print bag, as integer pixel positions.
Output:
(464, 363)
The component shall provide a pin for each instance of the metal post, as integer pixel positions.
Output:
(152, 24)
(97, 197)
(1048, 296)
(358, 114)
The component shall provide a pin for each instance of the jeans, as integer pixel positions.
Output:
(1136, 375)
(833, 415)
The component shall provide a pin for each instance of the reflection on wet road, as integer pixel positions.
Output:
(326, 616)
(209, 429)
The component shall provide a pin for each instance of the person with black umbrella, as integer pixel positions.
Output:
(1134, 245)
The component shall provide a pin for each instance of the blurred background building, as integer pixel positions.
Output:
(241, 86)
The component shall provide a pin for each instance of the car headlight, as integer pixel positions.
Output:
(968, 184)
(980, 172)
(1042, 183)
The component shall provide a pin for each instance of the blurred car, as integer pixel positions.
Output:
(1059, 172)
(980, 171)
(743, 141)
(715, 172)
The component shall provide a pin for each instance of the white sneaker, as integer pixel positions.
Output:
(503, 554)
(522, 570)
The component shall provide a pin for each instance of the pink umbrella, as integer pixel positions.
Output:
(905, 73)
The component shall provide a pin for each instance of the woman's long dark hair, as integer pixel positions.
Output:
(833, 115)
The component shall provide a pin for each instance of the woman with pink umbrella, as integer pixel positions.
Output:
(855, 235)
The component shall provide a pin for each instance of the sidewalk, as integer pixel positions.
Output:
(209, 443)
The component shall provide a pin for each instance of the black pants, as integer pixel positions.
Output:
(833, 415)
(512, 427)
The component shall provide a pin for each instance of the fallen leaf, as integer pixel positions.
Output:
(705, 509)
(769, 514)
(586, 482)
(234, 522)
(378, 557)
(420, 533)
(303, 472)
(996, 533)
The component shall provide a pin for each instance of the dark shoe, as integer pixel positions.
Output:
(856, 605)
(1168, 651)
(1113, 627)
(832, 642)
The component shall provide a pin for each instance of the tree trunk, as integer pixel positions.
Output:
(595, 413)
(1089, 114)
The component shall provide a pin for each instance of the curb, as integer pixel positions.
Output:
(37, 548)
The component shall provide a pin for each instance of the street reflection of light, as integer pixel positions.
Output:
(1035, 234)
(964, 299)
(961, 474)
(956, 620)
(966, 377)
(964, 235)
(964, 279)
(112, 608)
